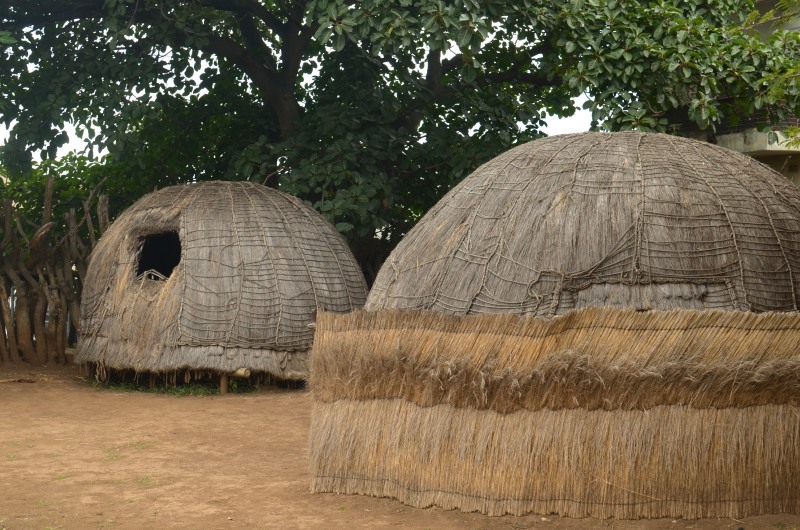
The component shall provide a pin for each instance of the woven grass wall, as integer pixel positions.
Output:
(599, 325)
(255, 265)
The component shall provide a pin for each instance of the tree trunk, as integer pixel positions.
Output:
(288, 113)
(77, 249)
(7, 319)
(50, 286)
(53, 325)
(39, 329)
(62, 328)
(103, 221)
(5, 356)
(69, 291)
(24, 332)
(75, 315)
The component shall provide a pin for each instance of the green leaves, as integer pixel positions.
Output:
(643, 62)
(7, 38)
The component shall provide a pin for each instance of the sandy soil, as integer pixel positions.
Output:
(78, 457)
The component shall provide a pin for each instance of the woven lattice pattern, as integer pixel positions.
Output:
(255, 264)
(597, 219)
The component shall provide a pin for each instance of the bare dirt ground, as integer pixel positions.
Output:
(78, 457)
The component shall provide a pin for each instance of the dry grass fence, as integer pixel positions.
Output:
(602, 412)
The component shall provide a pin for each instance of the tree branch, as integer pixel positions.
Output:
(537, 79)
(437, 69)
(452, 63)
(520, 69)
(36, 14)
(254, 42)
(292, 53)
(433, 76)
(250, 7)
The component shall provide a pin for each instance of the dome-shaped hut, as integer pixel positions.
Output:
(215, 276)
(600, 324)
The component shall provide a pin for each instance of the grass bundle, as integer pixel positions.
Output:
(593, 358)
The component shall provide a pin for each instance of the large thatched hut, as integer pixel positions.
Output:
(592, 325)
(216, 276)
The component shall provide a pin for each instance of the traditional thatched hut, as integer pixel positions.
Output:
(214, 276)
(592, 325)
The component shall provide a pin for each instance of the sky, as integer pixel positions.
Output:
(578, 122)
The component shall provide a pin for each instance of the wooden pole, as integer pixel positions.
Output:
(223, 384)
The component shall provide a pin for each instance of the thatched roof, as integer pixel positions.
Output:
(251, 267)
(623, 219)
(647, 364)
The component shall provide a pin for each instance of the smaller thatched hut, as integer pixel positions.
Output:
(216, 276)
(598, 325)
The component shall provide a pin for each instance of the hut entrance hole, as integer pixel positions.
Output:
(160, 253)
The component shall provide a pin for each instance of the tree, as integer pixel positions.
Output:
(785, 13)
(369, 110)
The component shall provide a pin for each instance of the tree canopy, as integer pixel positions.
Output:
(368, 110)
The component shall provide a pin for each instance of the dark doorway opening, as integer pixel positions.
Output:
(160, 253)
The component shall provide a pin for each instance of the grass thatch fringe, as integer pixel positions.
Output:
(292, 366)
(594, 358)
(669, 461)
